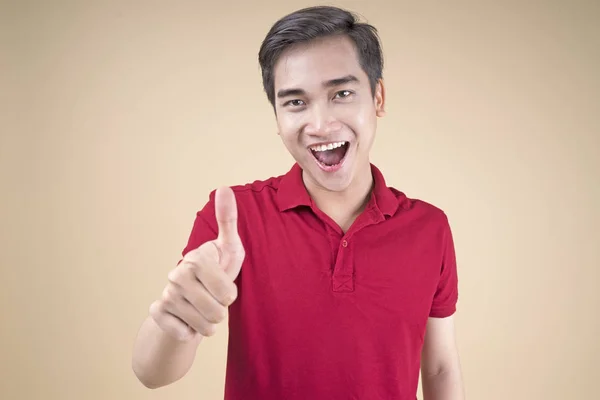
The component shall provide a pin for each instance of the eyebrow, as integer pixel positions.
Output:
(326, 84)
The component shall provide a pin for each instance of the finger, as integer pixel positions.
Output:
(185, 312)
(227, 216)
(169, 323)
(205, 304)
(232, 258)
(203, 262)
(196, 293)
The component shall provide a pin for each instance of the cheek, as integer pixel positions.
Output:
(289, 136)
(359, 117)
(289, 126)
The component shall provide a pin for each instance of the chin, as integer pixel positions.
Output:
(337, 181)
(334, 186)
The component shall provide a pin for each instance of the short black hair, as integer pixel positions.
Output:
(315, 22)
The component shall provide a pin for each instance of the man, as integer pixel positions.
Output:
(330, 278)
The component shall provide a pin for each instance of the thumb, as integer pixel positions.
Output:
(227, 216)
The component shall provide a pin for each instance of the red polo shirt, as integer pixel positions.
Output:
(323, 315)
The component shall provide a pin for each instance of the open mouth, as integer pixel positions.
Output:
(330, 155)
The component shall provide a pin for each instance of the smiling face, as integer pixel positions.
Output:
(326, 112)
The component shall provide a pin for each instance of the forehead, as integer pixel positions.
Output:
(309, 64)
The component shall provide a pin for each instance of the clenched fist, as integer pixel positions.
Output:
(202, 286)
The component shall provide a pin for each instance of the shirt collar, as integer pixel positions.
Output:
(292, 193)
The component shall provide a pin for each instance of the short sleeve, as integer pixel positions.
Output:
(446, 294)
(204, 228)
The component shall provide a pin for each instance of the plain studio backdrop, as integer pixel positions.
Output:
(118, 118)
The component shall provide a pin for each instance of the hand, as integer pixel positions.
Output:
(202, 286)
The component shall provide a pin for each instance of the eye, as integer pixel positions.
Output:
(294, 103)
(343, 94)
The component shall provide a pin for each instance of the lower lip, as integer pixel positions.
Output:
(331, 168)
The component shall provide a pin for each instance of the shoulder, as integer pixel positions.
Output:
(260, 189)
(421, 212)
(418, 205)
(403, 207)
(248, 195)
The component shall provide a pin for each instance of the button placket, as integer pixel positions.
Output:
(343, 274)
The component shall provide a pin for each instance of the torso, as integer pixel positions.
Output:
(330, 313)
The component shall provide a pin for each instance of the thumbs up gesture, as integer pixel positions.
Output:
(202, 286)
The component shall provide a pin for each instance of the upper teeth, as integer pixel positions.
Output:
(329, 146)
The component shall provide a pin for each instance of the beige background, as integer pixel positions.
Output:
(118, 118)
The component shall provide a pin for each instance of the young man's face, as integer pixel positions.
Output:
(326, 112)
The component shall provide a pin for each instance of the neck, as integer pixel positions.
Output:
(344, 206)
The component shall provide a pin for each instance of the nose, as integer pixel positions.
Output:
(321, 121)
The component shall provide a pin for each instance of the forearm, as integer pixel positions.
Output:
(446, 385)
(158, 359)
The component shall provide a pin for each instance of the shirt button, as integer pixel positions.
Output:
(345, 243)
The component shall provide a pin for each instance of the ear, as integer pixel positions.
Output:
(380, 99)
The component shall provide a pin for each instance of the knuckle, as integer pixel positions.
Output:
(216, 315)
(190, 266)
(192, 262)
(209, 254)
(192, 254)
(157, 313)
(174, 275)
(208, 330)
(197, 257)
(215, 282)
(229, 296)
(155, 310)
(182, 274)
(169, 295)
(186, 334)
(198, 266)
